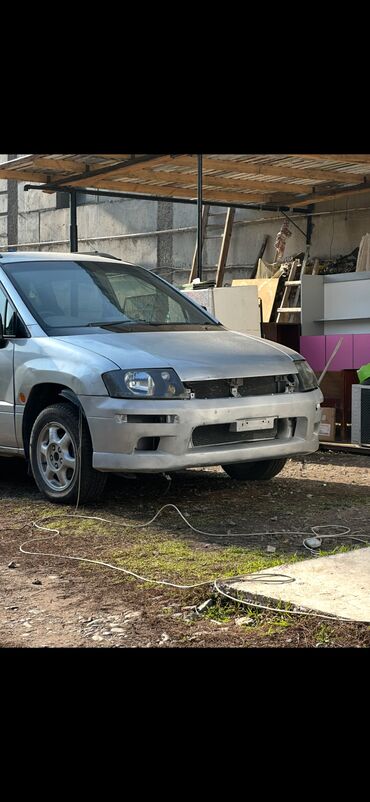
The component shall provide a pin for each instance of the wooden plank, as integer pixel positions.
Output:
(194, 266)
(20, 161)
(225, 247)
(347, 158)
(345, 448)
(59, 168)
(22, 175)
(266, 288)
(60, 165)
(173, 178)
(153, 189)
(83, 180)
(70, 165)
(342, 193)
(26, 164)
(113, 156)
(259, 256)
(190, 179)
(261, 168)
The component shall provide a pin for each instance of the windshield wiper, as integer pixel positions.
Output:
(140, 322)
(122, 323)
(107, 323)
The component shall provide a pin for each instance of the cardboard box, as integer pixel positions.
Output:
(327, 425)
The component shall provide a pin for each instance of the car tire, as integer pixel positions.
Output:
(254, 471)
(55, 458)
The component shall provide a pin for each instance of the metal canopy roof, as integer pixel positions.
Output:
(262, 179)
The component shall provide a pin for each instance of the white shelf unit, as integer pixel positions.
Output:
(338, 304)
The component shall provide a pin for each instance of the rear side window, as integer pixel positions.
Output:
(8, 315)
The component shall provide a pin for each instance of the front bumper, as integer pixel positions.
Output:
(123, 443)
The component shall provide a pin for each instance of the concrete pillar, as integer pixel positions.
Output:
(12, 208)
(165, 241)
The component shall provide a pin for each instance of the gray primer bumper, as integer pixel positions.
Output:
(114, 441)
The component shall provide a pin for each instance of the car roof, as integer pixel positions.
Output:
(36, 256)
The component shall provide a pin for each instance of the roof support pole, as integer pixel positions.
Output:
(73, 233)
(199, 232)
(309, 225)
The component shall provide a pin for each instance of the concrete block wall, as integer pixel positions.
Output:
(3, 206)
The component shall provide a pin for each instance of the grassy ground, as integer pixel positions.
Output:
(79, 604)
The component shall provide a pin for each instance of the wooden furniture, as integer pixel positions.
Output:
(284, 333)
(336, 388)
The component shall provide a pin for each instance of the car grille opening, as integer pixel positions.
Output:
(147, 444)
(220, 434)
(248, 386)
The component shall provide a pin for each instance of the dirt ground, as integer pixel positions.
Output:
(46, 601)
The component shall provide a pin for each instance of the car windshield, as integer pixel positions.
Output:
(73, 294)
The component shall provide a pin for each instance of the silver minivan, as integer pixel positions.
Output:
(105, 367)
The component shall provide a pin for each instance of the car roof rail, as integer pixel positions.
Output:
(99, 253)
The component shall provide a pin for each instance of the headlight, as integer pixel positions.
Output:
(153, 383)
(306, 377)
(139, 382)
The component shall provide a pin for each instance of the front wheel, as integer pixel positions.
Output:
(254, 471)
(61, 473)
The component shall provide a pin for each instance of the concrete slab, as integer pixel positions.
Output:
(336, 585)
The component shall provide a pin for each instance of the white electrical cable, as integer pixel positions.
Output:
(262, 578)
(344, 534)
(55, 532)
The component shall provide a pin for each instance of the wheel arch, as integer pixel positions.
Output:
(41, 396)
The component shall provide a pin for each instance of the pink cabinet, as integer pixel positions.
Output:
(343, 359)
(361, 350)
(354, 351)
(313, 349)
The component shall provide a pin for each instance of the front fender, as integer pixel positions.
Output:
(47, 360)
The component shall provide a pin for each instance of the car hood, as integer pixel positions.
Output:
(193, 354)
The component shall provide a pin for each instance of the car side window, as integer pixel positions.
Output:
(2, 306)
(8, 315)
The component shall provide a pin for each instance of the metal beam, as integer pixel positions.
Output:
(73, 233)
(293, 223)
(256, 207)
(309, 225)
(199, 208)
